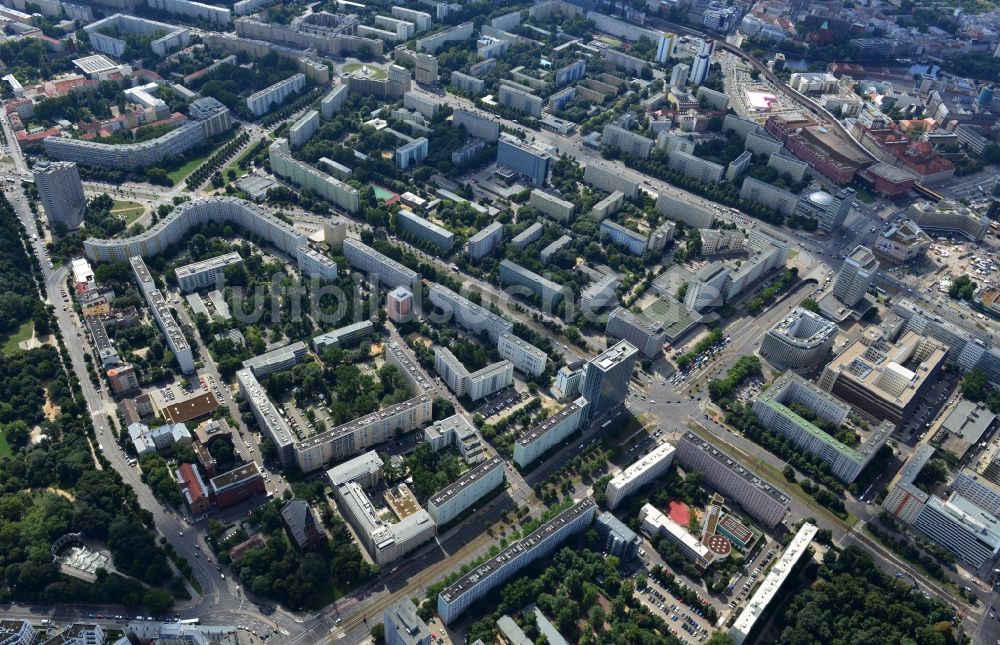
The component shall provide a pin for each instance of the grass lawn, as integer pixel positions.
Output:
(130, 210)
(11, 341)
(4, 447)
(864, 195)
(181, 173)
(377, 72)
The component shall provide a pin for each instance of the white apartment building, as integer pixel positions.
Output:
(260, 103)
(377, 266)
(302, 174)
(475, 584)
(484, 241)
(450, 502)
(468, 314)
(525, 357)
(535, 442)
(476, 385)
(638, 474)
(556, 208)
(609, 180)
(176, 341)
(207, 273)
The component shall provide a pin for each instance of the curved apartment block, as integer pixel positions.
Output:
(220, 210)
(131, 156)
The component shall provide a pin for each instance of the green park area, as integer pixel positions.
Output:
(131, 211)
(374, 71)
(11, 342)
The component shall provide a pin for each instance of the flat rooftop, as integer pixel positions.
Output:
(469, 478)
(532, 435)
(741, 471)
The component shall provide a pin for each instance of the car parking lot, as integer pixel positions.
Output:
(506, 398)
(686, 623)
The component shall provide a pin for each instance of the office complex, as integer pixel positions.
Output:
(773, 409)
(176, 341)
(529, 162)
(755, 495)
(885, 380)
(723, 281)
(455, 498)
(538, 440)
(260, 102)
(131, 156)
(949, 217)
(385, 541)
(238, 485)
(378, 267)
(800, 341)
(206, 273)
(902, 242)
(468, 314)
(476, 123)
(476, 385)
(646, 335)
(61, 192)
(856, 276)
(302, 174)
(685, 211)
(424, 230)
(402, 625)
(626, 238)
(619, 540)
(484, 241)
(978, 490)
(639, 474)
(547, 291)
(556, 208)
(829, 210)
(525, 357)
(605, 382)
(148, 440)
(609, 180)
(399, 305)
(958, 524)
(475, 584)
(522, 101)
(768, 590)
(628, 143)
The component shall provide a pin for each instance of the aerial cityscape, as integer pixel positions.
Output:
(513, 322)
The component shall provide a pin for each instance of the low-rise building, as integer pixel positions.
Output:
(238, 485)
(277, 360)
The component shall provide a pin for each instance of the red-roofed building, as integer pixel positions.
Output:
(195, 75)
(25, 139)
(846, 69)
(193, 489)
